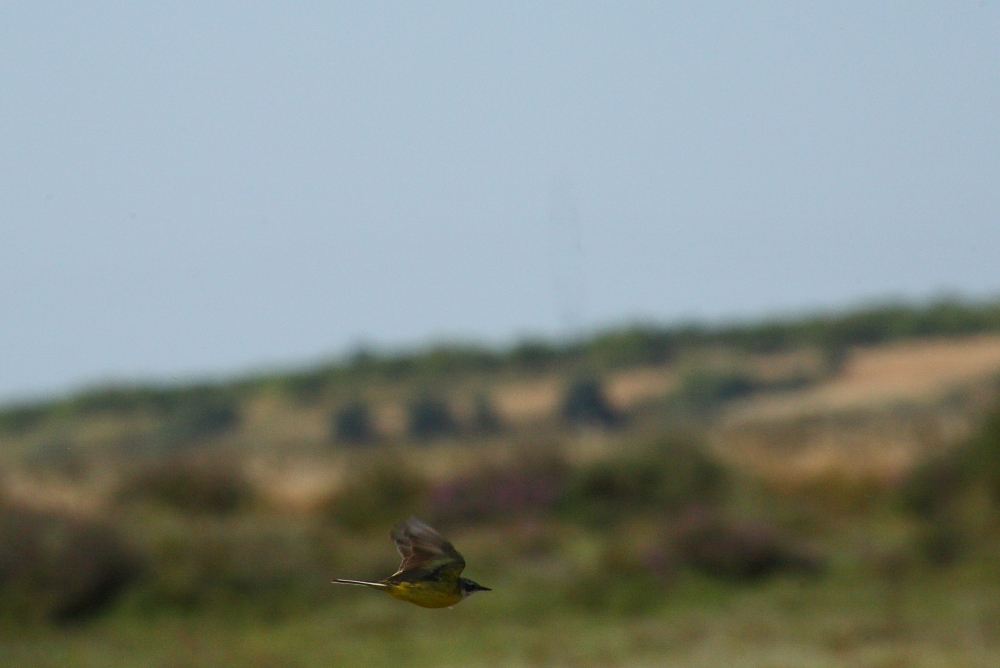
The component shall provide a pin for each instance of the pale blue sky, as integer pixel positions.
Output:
(193, 191)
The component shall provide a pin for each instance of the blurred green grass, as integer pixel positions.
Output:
(948, 620)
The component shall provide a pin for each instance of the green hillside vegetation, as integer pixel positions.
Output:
(596, 486)
(614, 349)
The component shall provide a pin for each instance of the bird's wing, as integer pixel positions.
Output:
(424, 550)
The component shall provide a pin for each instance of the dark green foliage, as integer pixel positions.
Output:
(306, 387)
(454, 359)
(161, 400)
(264, 567)
(199, 420)
(19, 419)
(584, 403)
(935, 486)
(58, 567)
(705, 390)
(438, 361)
(616, 486)
(534, 355)
(932, 487)
(485, 419)
(430, 417)
(189, 414)
(668, 477)
(352, 424)
(985, 453)
(943, 490)
(941, 542)
(200, 486)
(125, 400)
(376, 497)
(645, 345)
(947, 317)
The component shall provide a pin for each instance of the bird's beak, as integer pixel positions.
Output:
(480, 587)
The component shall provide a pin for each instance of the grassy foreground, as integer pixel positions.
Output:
(942, 620)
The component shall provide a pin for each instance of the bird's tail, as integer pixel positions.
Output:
(374, 585)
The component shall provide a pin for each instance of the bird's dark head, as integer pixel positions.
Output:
(469, 587)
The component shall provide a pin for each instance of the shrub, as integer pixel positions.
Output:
(667, 477)
(376, 497)
(430, 417)
(704, 390)
(485, 419)
(306, 387)
(199, 420)
(534, 355)
(17, 420)
(737, 550)
(205, 485)
(352, 424)
(58, 567)
(233, 565)
(984, 455)
(935, 486)
(584, 403)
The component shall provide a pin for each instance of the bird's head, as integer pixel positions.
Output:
(469, 587)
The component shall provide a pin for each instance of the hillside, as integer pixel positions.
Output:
(825, 489)
(805, 397)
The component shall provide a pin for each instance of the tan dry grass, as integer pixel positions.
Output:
(635, 386)
(915, 371)
(524, 401)
(877, 446)
(86, 497)
(270, 418)
(296, 484)
(877, 418)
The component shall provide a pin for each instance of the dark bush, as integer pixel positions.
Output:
(641, 345)
(534, 355)
(18, 419)
(935, 484)
(485, 419)
(430, 417)
(352, 424)
(584, 403)
(932, 488)
(247, 566)
(306, 387)
(58, 567)
(940, 542)
(737, 550)
(193, 485)
(667, 478)
(984, 453)
(705, 390)
(199, 420)
(376, 497)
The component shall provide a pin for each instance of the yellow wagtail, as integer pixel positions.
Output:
(429, 574)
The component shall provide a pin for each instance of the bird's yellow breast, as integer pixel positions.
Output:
(425, 594)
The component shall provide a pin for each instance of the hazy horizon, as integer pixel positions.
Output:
(199, 192)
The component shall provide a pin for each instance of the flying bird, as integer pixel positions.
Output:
(429, 574)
